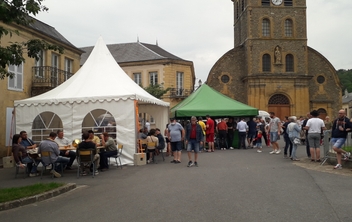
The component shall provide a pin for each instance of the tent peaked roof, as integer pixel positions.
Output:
(99, 79)
(207, 101)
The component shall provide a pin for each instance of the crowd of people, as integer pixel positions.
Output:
(26, 152)
(197, 135)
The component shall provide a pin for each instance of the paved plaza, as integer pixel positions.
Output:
(231, 185)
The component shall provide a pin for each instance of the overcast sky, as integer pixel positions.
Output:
(197, 30)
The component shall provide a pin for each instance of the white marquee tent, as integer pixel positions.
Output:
(99, 84)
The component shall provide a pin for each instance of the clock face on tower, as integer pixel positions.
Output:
(276, 2)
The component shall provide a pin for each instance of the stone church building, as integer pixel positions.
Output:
(271, 67)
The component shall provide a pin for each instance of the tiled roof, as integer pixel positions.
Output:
(347, 98)
(133, 52)
(49, 31)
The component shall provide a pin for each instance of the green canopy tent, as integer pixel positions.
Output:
(207, 101)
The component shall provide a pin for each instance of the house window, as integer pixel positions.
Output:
(266, 63)
(137, 77)
(265, 2)
(179, 83)
(266, 27)
(16, 82)
(68, 68)
(288, 28)
(289, 63)
(288, 3)
(39, 73)
(153, 78)
(54, 69)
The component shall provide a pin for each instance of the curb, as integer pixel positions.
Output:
(40, 197)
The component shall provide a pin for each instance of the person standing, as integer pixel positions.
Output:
(194, 139)
(258, 141)
(242, 128)
(252, 131)
(203, 126)
(288, 142)
(231, 126)
(210, 133)
(152, 137)
(261, 127)
(274, 128)
(49, 144)
(63, 141)
(176, 135)
(340, 128)
(293, 131)
(168, 145)
(147, 125)
(222, 134)
(314, 126)
(306, 134)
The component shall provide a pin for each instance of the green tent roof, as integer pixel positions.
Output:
(207, 101)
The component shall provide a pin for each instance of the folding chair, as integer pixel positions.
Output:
(85, 156)
(118, 155)
(151, 147)
(47, 154)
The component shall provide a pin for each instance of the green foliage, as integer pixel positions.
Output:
(19, 12)
(156, 90)
(345, 77)
(8, 194)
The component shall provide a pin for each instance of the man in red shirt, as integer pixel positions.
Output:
(222, 134)
(210, 133)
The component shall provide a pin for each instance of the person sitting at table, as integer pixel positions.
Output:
(152, 138)
(95, 139)
(161, 141)
(49, 144)
(23, 159)
(29, 145)
(88, 144)
(110, 150)
(63, 141)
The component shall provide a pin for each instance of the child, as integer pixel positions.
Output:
(258, 140)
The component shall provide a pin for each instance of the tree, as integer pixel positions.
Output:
(345, 77)
(156, 90)
(19, 12)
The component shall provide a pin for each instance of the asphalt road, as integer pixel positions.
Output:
(231, 185)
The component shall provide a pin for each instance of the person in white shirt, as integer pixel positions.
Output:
(315, 126)
(242, 128)
(63, 141)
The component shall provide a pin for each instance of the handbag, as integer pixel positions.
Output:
(297, 141)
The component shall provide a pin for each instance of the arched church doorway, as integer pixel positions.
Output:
(280, 105)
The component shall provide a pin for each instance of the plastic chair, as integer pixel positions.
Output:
(85, 156)
(118, 155)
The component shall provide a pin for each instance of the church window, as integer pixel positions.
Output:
(266, 63)
(289, 63)
(242, 5)
(288, 3)
(265, 2)
(279, 99)
(288, 28)
(225, 78)
(266, 27)
(321, 79)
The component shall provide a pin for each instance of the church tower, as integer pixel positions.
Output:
(271, 67)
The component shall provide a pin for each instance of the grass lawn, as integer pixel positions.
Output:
(347, 148)
(8, 194)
